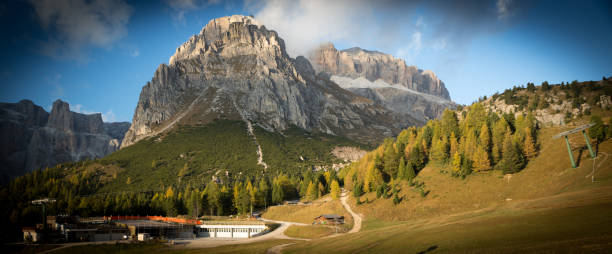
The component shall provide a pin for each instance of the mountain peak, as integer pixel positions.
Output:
(373, 65)
(230, 36)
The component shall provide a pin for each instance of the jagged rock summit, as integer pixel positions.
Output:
(237, 69)
(33, 138)
(384, 79)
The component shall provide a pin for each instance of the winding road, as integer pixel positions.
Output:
(356, 225)
(278, 233)
(356, 217)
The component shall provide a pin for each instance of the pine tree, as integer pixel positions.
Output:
(401, 172)
(410, 172)
(481, 159)
(597, 131)
(456, 162)
(512, 159)
(470, 144)
(335, 190)
(311, 193)
(439, 150)
(277, 193)
(529, 144)
(499, 131)
(485, 138)
(321, 190)
(454, 145)
(264, 192)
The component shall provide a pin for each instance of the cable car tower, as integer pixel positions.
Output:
(44, 202)
(572, 131)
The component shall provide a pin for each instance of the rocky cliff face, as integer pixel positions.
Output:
(383, 79)
(33, 138)
(237, 69)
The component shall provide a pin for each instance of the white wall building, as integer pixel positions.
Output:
(236, 229)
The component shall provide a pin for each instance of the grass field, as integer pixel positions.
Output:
(310, 232)
(548, 174)
(574, 228)
(260, 247)
(307, 213)
(548, 207)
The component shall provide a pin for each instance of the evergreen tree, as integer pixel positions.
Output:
(321, 190)
(485, 138)
(311, 193)
(439, 150)
(264, 192)
(277, 193)
(454, 145)
(529, 144)
(401, 172)
(449, 123)
(512, 159)
(390, 158)
(475, 118)
(357, 189)
(335, 190)
(213, 194)
(545, 86)
(499, 131)
(457, 158)
(410, 172)
(597, 131)
(481, 159)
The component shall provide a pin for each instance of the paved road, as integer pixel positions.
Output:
(278, 233)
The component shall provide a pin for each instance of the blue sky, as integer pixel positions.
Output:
(97, 54)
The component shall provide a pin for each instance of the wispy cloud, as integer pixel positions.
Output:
(504, 9)
(182, 7)
(73, 25)
(109, 116)
(382, 25)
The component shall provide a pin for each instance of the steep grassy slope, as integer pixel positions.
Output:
(548, 174)
(548, 206)
(193, 154)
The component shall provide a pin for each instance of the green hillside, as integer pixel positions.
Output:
(191, 155)
(171, 173)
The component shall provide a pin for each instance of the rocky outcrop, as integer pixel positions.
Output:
(34, 139)
(235, 68)
(384, 79)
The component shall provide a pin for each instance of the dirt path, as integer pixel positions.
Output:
(356, 217)
(277, 249)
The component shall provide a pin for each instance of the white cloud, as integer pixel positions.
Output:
(109, 116)
(439, 44)
(73, 24)
(181, 7)
(304, 24)
(81, 109)
(504, 9)
(135, 53)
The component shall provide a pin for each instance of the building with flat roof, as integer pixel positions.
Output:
(329, 219)
(231, 229)
(158, 228)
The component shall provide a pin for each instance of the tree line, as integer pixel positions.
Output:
(466, 141)
(76, 194)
